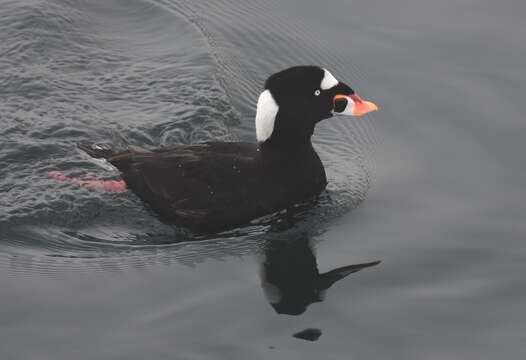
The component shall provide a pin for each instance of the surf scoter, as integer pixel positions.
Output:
(215, 186)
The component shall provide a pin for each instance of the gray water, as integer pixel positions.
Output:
(432, 185)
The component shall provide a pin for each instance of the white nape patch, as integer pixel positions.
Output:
(266, 112)
(328, 80)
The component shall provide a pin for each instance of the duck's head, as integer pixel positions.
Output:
(297, 98)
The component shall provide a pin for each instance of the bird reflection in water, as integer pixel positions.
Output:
(290, 277)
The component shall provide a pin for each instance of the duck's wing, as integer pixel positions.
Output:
(200, 185)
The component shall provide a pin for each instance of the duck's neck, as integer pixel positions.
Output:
(291, 132)
(294, 163)
(291, 155)
(287, 148)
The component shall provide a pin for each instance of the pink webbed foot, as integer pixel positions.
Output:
(105, 185)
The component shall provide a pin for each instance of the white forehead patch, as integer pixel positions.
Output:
(266, 112)
(328, 80)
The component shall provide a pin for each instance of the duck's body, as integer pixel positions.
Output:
(215, 186)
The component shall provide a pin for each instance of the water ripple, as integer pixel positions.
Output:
(157, 72)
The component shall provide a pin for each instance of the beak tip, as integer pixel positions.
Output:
(372, 106)
(365, 107)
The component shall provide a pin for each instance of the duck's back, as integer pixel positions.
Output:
(215, 186)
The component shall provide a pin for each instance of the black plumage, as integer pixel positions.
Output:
(214, 186)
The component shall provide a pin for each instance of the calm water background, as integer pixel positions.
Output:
(432, 185)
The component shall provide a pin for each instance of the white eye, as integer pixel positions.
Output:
(317, 92)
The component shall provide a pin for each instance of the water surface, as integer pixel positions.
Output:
(432, 185)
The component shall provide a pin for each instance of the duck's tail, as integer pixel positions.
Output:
(99, 153)
(118, 145)
(97, 150)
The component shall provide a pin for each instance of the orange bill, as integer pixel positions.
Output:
(353, 105)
